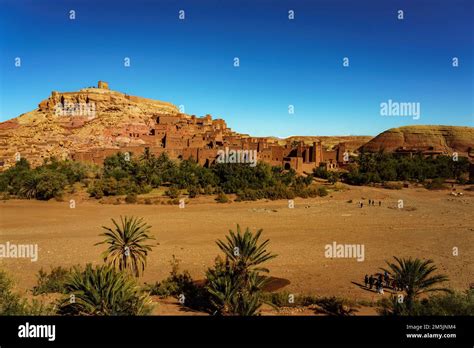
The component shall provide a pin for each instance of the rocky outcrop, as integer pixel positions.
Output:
(68, 122)
(441, 139)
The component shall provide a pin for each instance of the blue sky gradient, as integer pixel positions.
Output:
(283, 62)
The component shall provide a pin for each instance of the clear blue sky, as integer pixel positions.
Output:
(282, 62)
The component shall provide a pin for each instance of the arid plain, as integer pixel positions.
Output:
(430, 225)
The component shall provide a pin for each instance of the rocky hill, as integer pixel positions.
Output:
(443, 139)
(68, 122)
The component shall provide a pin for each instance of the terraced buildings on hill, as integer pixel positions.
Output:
(93, 123)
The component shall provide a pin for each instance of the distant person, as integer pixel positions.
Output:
(380, 203)
(373, 203)
(366, 280)
(371, 281)
(394, 284)
(369, 201)
(378, 286)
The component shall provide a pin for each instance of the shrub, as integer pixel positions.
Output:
(113, 187)
(279, 191)
(454, 303)
(131, 198)
(172, 192)
(13, 304)
(250, 195)
(50, 184)
(322, 191)
(208, 190)
(392, 185)
(321, 172)
(282, 299)
(103, 291)
(193, 191)
(180, 284)
(435, 184)
(222, 198)
(52, 282)
(335, 306)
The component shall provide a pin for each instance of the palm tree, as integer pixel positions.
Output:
(103, 291)
(243, 251)
(127, 250)
(29, 188)
(414, 276)
(229, 295)
(235, 285)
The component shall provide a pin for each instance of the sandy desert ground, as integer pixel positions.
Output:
(429, 226)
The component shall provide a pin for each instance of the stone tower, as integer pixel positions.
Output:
(103, 85)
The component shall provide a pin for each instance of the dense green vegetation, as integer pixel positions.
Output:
(140, 175)
(452, 303)
(44, 182)
(125, 174)
(381, 167)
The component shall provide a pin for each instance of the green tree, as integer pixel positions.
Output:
(415, 277)
(235, 285)
(126, 244)
(244, 251)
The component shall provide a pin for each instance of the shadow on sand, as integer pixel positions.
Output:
(373, 290)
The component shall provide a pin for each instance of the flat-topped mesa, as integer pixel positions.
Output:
(425, 139)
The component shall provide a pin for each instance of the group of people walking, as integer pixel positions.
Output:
(371, 203)
(380, 281)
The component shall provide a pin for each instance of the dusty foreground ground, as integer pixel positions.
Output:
(430, 225)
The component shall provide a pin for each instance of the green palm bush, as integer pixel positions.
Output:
(103, 291)
(243, 251)
(28, 189)
(126, 244)
(223, 287)
(229, 294)
(416, 277)
(235, 286)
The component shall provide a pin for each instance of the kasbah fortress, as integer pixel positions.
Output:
(156, 125)
(120, 122)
